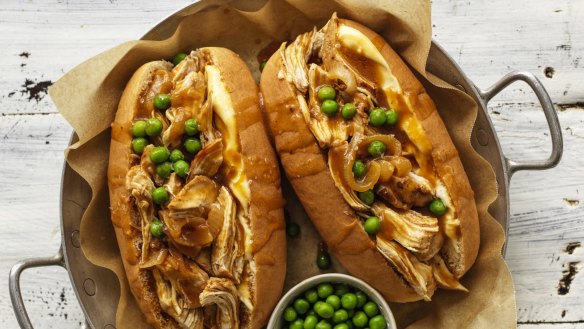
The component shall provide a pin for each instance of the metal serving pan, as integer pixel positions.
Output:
(98, 289)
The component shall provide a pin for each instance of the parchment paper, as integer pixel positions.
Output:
(88, 96)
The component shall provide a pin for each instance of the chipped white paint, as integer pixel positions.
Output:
(487, 38)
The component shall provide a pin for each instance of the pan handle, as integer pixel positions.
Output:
(14, 283)
(548, 110)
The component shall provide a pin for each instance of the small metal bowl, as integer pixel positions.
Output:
(299, 289)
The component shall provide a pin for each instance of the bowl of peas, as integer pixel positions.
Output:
(332, 301)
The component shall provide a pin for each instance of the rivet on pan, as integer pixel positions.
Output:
(109, 326)
(75, 238)
(89, 287)
(482, 137)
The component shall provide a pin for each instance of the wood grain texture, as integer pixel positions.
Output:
(42, 39)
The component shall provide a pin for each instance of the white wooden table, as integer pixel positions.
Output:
(43, 39)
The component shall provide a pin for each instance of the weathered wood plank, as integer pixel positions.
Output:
(546, 36)
(539, 325)
(44, 39)
(488, 38)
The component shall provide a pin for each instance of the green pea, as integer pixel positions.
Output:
(311, 312)
(391, 117)
(297, 324)
(292, 229)
(371, 309)
(153, 127)
(361, 298)
(311, 296)
(193, 145)
(377, 322)
(160, 195)
(437, 207)
(377, 117)
(326, 92)
(359, 168)
(349, 301)
(324, 290)
(181, 168)
(139, 128)
(178, 58)
(360, 319)
(372, 225)
(323, 260)
(290, 314)
(341, 326)
(191, 127)
(164, 169)
(263, 65)
(329, 107)
(368, 197)
(159, 154)
(157, 228)
(341, 289)
(340, 316)
(176, 155)
(310, 322)
(376, 148)
(301, 306)
(334, 301)
(348, 111)
(317, 305)
(162, 101)
(138, 145)
(323, 324)
(325, 310)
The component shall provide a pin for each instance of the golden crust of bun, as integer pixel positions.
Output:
(305, 165)
(266, 205)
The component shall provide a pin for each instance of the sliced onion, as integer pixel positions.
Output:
(387, 170)
(402, 165)
(338, 70)
(155, 258)
(392, 145)
(357, 145)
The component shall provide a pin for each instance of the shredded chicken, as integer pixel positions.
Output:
(173, 305)
(188, 65)
(204, 116)
(328, 131)
(174, 184)
(177, 116)
(435, 245)
(416, 273)
(208, 160)
(222, 293)
(201, 191)
(203, 259)
(226, 248)
(186, 215)
(335, 63)
(179, 282)
(148, 166)
(411, 229)
(297, 54)
(444, 277)
(140, 186)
